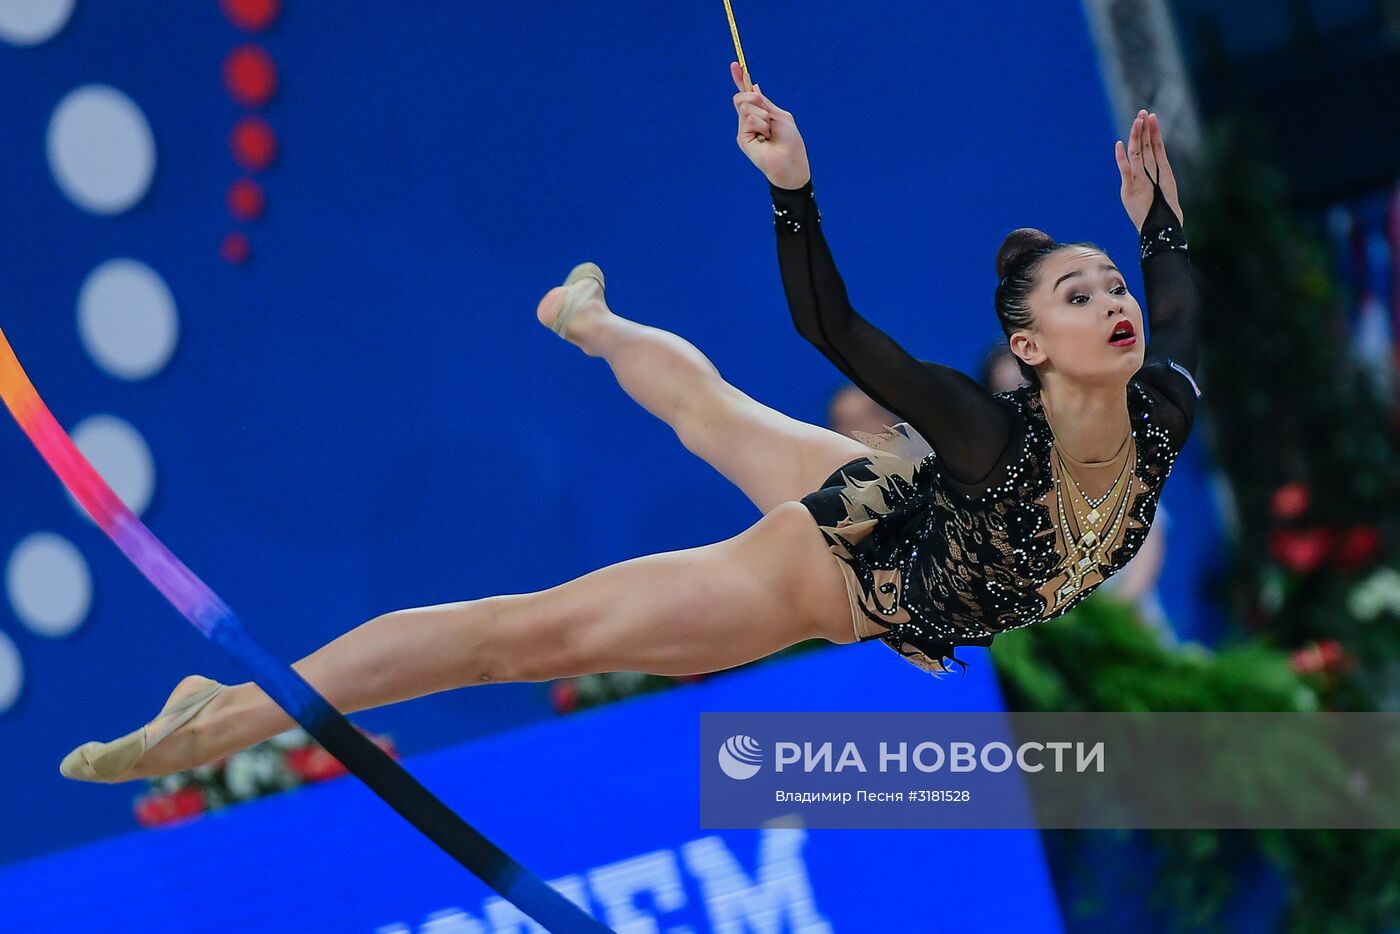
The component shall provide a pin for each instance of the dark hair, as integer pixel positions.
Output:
(1018, 267)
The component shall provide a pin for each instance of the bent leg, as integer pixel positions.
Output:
(681, 612)
(770, 456)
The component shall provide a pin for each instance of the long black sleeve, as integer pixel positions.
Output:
(1173, 316)
(966, 426)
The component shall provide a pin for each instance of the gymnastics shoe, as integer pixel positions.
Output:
(575, 298)
(112, 762)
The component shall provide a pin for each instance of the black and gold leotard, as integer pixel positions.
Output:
(947, 533)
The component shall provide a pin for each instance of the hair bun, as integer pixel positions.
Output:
(1017, 244)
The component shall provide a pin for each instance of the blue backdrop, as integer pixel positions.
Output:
(367, 416)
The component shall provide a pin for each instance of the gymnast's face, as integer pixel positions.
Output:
(1079, 304)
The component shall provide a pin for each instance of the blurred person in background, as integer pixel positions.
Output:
(850, 410)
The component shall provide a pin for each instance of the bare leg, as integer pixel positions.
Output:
(771, 457)
(680, 612)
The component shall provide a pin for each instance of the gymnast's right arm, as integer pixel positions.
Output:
(962, 421)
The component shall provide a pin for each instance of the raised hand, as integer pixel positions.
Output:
(768, 136)
(1145, 155)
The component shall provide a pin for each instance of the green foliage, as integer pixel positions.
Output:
(1284, 407)
(1347, 882)
(1287, 405)
(1101, 657)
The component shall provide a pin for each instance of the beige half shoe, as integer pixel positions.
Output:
(110, 762)
(573, 298)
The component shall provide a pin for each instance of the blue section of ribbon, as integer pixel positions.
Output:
(400, 790)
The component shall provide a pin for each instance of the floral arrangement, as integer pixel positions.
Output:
(571, 694)
(568, 695)
(286, 761)
(1311, 450)
(1312, 577)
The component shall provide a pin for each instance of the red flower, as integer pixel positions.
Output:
(190, 801)
(152, 810)
(1360, 545)
(157, 809)
(1307, 660)
(1316, 657)
(314, 764)
(1303, 550)
(1333, 658)
(564, 695)
(1290, 500)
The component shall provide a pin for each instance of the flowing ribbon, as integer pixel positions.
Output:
(211, 616)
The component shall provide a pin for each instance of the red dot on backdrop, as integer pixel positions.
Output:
(253, 143)
(250, 76)
(235, 248)
(245, 199)
(250, 15)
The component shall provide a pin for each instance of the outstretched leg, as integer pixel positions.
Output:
(771, 457)
(681, 612)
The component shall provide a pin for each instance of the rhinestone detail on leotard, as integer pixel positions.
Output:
(935, 568)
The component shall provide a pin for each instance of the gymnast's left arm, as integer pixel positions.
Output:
(1172, 297)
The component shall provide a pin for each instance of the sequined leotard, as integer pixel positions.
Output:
(947, 533)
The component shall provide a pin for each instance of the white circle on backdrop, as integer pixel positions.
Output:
(30, 22)
(120, 455)
(101, 150)
(127, 319)
(49, 584)
(11, 673)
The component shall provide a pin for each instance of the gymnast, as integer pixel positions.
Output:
(977, 514)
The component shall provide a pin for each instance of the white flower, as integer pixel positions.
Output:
(241, 777)
(629, 680)
(294, 738)
(268, 767)
(1376, 594)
